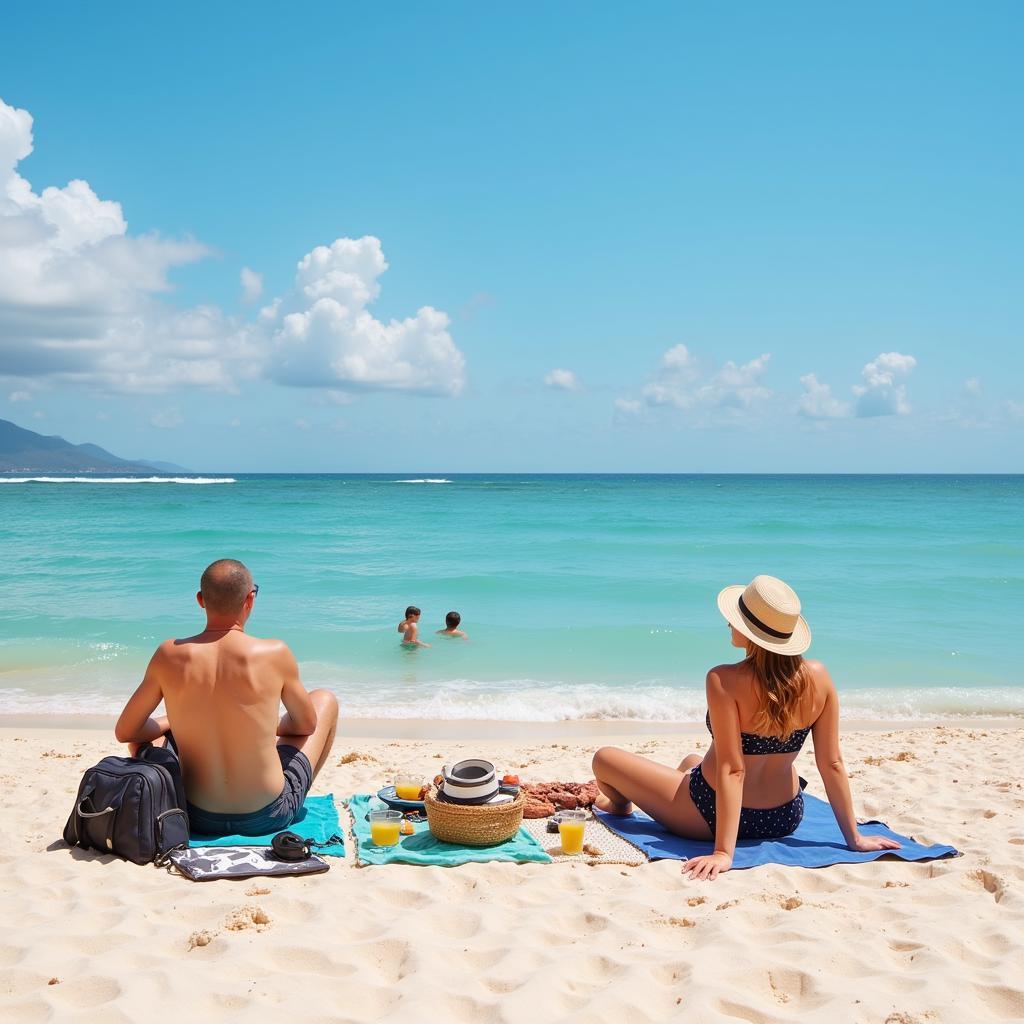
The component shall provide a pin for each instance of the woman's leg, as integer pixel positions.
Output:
(662, 792)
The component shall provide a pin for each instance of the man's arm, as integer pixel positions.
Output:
(299, 718)
(136, 724)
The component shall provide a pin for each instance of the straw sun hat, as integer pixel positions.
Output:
(767, 611)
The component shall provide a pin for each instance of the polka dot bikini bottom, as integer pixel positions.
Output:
(755, 822)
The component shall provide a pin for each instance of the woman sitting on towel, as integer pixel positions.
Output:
(760, 711)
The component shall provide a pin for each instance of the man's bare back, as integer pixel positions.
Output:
(222, 690)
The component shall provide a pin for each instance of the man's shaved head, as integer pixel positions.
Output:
(225, 585)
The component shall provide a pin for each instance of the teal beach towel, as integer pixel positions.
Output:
(817, 842)
(318, 821)
(422, 848)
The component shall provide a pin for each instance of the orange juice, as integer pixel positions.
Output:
(384, 827)
(407, 789)
(570, 831)
(385, 833)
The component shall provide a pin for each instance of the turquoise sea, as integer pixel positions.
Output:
(584, 596)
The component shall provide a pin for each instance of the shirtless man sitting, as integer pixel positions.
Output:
(245, 770)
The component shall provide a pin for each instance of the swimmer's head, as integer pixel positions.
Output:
(452, 620)
(411, 611)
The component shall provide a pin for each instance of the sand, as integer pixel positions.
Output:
(90, 938)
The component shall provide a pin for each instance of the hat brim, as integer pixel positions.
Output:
(729, 606)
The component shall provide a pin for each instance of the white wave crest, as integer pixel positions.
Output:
(518, 700)
(117, 480)
(425, 480)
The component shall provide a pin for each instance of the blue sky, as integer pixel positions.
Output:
(666, 238)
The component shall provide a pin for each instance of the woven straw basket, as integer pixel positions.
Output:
(468, 825)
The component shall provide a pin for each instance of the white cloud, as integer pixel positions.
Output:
(818, 403)
(39, 415)
(20, 396)
(562, 380)
(321, 334)
(882, 393)
(972, 386)
(168, 419)
(628, 406)
(303, 424)
(83, 302)
(252, 285)
(1015, 410)
(80, 298)
(682, 382)
(234, 422)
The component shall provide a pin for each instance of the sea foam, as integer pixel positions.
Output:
(116, 480)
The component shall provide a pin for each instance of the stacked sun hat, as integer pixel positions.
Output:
(469, 808)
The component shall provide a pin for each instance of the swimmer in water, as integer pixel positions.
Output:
(410, 629)
(451, 626)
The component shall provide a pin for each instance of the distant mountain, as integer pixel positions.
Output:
(165, 467)
(25, 451)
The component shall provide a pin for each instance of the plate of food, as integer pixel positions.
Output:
(389, 795)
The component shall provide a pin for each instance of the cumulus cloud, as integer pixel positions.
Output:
(562, 380)
(883, 393)
(83, 301)
(628, 406)
(252, 285)
(20, 396)
(818, 403)
(683, 382)
(321, 334)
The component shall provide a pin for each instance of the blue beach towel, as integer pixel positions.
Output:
(816, 843)
(422, 848)
(318, 820)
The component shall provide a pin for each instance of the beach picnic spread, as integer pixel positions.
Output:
(472, 812)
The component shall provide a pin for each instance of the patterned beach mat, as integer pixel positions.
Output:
(600, 844)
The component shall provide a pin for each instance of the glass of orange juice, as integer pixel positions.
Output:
(570, 830)
(384, 826)
(407, 787)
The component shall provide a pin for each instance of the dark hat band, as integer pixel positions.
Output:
(755, 621)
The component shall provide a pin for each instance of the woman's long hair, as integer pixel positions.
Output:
(783, 680)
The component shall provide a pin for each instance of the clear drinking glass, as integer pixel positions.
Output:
(571, 825)
(384, 827)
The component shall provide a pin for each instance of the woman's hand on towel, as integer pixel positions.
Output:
(709, 867)
(868, 844)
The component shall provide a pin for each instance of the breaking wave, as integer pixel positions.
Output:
(117, 480)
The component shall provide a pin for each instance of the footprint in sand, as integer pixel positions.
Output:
(991, 883)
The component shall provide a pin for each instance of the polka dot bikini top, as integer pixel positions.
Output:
(753, 743)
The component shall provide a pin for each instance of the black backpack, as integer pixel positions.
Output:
(132, 807)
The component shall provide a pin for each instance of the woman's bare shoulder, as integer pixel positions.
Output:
(818, 673)
(731, 675)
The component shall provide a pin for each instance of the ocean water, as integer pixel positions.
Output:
(584, 596)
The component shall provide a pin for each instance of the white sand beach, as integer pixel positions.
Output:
(92, 938)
